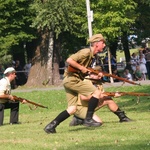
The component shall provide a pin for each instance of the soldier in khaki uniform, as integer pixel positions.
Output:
(82, 104)
(74, 84)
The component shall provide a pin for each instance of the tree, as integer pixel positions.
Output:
(142, 29)
(52, 18)
(15, 21)
(61, 26)
(114, 18)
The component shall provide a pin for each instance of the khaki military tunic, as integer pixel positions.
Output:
(82, 105)
(73, 83)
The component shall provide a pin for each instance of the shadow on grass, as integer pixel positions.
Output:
(79, 128)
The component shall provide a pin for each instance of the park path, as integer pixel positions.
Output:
(60, 87)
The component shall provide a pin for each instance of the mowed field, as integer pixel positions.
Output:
(112, 135)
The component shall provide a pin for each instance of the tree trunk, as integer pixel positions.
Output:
(113, 47)
(126, 49)
(44, 70)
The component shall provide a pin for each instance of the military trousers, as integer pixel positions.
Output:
(14, 111)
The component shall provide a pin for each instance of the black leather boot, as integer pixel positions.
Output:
(76, 121)
(123, 118)
(50, 128)
(89, 122)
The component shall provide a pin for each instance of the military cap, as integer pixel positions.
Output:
(96, 38)
(9, 70)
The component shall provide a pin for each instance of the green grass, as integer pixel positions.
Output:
(111, 136)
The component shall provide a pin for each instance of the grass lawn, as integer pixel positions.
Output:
(112, 135)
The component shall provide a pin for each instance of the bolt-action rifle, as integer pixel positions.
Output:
(118, 94)
(75, 70)
(28, 101)
(112, 75)
(126, 93)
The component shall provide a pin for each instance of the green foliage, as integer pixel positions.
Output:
(54, 15)
(6, 60)
(142, 23)
(146, 2)
(21, 19)
(113, 17)
(15, 20)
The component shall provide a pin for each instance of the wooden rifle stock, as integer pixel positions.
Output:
(30, 102)
(112, 75)
(73, 69)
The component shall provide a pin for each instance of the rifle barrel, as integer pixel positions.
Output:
(113, 76)
(126, 93)
(28, 101)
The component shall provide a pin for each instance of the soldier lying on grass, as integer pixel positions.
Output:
(104, 100)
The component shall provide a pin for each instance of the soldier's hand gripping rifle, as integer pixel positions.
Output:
(28, 101)
(112, 75)
(75, 70)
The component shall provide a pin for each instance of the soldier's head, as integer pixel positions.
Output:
(97, 42)
(10, 72)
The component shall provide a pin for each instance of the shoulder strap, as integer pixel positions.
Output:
(86, 65)
(89, 60)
